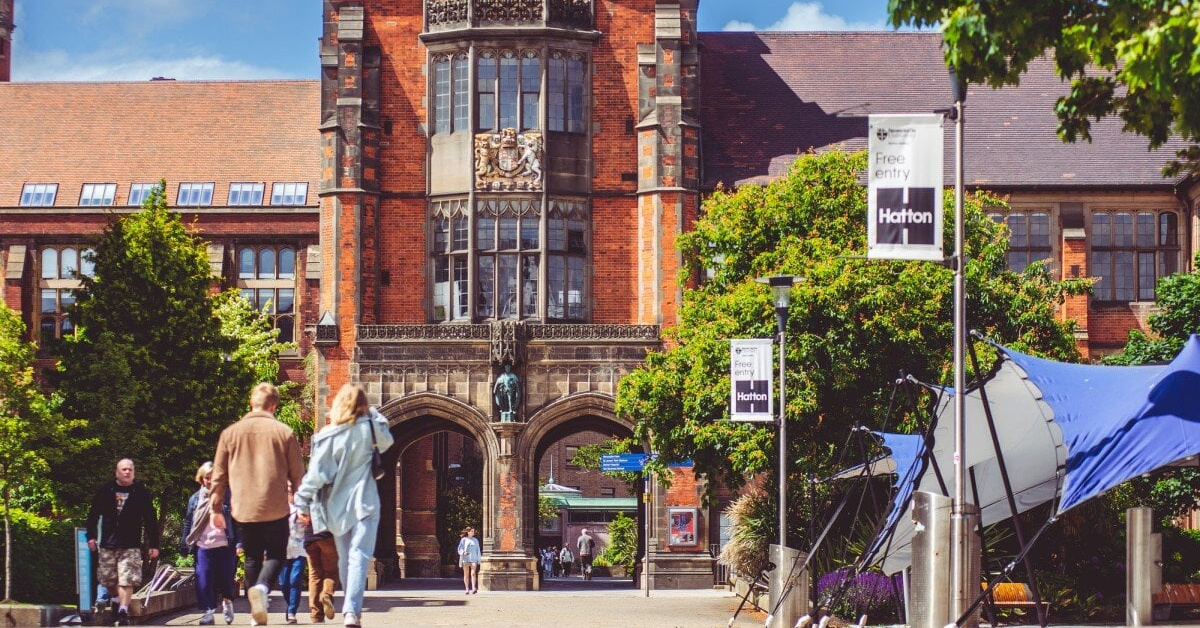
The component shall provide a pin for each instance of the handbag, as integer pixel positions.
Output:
(377, 470)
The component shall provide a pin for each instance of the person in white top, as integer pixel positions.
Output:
(567, 559)
(469, 556)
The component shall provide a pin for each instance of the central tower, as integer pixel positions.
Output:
(502, 184)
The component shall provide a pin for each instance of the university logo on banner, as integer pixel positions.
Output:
(750, 380)
(904, 187)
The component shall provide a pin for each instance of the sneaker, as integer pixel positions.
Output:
(289, 618)
(227, 610)
(351, 620)
(207, 619)
(258, 604)
(122, 617)
(327, 605)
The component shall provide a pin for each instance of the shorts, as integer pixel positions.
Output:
(120, 568)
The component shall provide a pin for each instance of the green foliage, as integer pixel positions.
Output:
(32, 434)
(622, 543)
(43, 554)
(1180, 554)
(1139, 61)
(257, 347)
(853, 326)
(147, 367)
(548, 510)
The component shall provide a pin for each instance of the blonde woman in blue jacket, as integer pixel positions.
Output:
(338, 493)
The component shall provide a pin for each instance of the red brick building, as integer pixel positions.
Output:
(495, 186)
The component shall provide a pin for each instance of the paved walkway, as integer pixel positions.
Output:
(420, 603)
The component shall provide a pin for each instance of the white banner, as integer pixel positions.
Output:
(750, 377)
(904, 187)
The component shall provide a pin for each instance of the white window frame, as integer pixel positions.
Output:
(97, 194)
(245, 193)
(193, 194)
(296, 191)
(39, 194)
(139, 192)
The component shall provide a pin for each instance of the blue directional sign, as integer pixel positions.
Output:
(622, 462)
(632, 462)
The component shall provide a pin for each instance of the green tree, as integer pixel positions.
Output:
(257, 346)
(1139, 61)
(853, 326)
(148, 368)
(31, 433)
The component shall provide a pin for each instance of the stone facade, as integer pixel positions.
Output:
(419, 309)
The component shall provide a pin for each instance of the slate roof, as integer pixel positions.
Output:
(140, 132)
(765, 97)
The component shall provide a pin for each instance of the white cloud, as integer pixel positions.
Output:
(58, 65)
(738, 25)
(146, 12)
(810, 16)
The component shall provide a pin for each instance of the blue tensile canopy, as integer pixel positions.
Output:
(1066, 431)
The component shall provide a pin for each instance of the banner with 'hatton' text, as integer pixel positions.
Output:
(750, 379)
(904, 187)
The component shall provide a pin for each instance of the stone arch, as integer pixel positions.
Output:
(406, 416)
(577, 412)
(413, 417)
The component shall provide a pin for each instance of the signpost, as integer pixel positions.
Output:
(633, 462)
(904, 187)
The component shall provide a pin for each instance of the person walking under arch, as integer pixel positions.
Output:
(469, 557)
(339, 493)
(587, 547)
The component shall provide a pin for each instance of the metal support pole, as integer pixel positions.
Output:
(960, 546)
(782, 319)
(647, 510)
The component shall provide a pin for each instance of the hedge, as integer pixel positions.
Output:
(43, 559)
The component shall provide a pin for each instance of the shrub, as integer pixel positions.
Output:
(43, 559)
(751, 520)
(622, 545)
(848, 596)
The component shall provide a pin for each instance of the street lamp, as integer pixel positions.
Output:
(781, 290)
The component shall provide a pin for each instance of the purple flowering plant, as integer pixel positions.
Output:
(848, 596)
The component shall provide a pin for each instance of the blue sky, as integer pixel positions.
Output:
(97, 40)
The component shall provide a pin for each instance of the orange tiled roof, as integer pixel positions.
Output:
(135, 132)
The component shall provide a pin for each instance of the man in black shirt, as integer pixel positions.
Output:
(124, 510)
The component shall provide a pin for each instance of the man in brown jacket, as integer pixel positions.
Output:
(258, 458)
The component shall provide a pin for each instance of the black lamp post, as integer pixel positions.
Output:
(781, 289)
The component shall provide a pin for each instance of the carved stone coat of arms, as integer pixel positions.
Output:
(508, 161)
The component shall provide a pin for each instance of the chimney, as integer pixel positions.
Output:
(6, 29)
